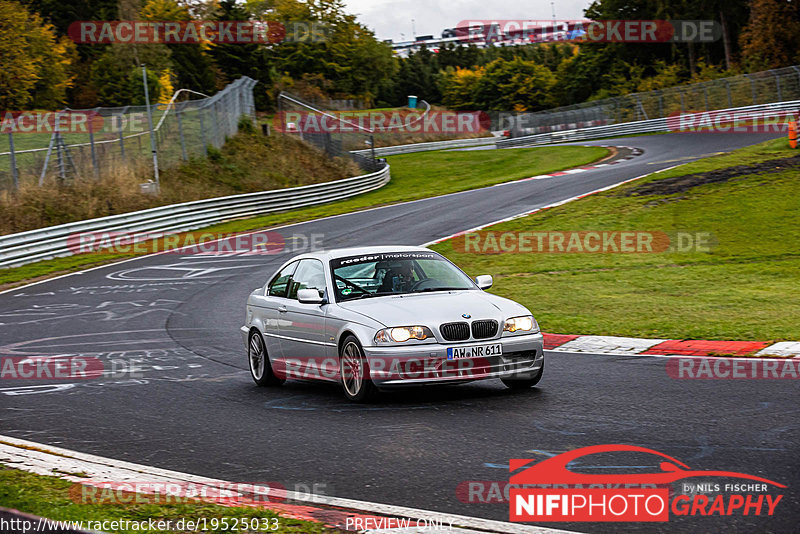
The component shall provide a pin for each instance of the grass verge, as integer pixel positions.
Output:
(50, 497)
(739, 283)
(414, 176)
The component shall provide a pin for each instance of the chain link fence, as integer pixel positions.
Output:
(121, 141)
(766, 87)
(339, 138)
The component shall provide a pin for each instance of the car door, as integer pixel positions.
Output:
(267, 306)
(302, 326)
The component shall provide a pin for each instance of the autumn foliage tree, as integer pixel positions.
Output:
(772, 36)
(35, 61)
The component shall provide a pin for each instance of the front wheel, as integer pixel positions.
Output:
(354, 372)
(524, 383)
(258, 362)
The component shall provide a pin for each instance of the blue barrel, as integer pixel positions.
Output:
(412, 101)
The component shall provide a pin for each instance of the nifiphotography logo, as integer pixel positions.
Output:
(549, 491)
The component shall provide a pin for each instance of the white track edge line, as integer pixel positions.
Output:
(364, 506)
(636, 354)
(548, 206)
(268, 228)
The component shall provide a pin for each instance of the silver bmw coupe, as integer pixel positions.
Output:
(371, 318)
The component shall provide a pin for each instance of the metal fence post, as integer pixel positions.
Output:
(752, 88)
(728, 89)
(95, 165)
(150, 124)
(46, 159)
(121, 134)
(62, 171)
(14, 172)
(251, 102)
(178, 114)
(778, 85)
(372, 148)
(215, 136)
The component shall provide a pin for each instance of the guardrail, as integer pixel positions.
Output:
(635, 128)
(51, 242)
(432, 145)
(46, 243)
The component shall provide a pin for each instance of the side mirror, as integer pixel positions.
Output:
(309, 296)
(484, 281)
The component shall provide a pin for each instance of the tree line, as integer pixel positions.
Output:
(44, 69)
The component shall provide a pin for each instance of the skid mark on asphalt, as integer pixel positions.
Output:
(118, 289)
(106, 342)
(105, 311)
(128, 358)
(183, 270)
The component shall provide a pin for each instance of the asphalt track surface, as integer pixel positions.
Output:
(195, 409)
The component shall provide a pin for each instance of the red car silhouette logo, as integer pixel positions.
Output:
(554, 470)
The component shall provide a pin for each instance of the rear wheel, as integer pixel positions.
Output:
(526, 382)
(354, 372)
(258, 362)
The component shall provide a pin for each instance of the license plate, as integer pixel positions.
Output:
(477, 351)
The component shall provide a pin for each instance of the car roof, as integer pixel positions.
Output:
(356, 251)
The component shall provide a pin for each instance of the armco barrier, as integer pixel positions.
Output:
(575, 134)
(46, 243)
(425, 147)
(27, 247)
(633, 128)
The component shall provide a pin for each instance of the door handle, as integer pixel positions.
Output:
(282, 309)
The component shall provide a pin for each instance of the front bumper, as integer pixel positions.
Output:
(427, 363)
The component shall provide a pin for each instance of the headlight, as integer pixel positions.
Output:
(525, 323)
(403, 333)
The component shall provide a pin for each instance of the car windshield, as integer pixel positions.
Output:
(395, 273)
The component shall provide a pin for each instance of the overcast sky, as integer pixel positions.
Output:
(391, 18)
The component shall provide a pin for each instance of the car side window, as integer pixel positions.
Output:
(279, 285)
(310, 274)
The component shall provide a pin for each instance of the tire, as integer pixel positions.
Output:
(354, 372)
(524, 383)
(258, 362)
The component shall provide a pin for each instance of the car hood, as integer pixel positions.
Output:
(433, 309)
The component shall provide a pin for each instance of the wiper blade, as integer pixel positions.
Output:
(428, 289)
